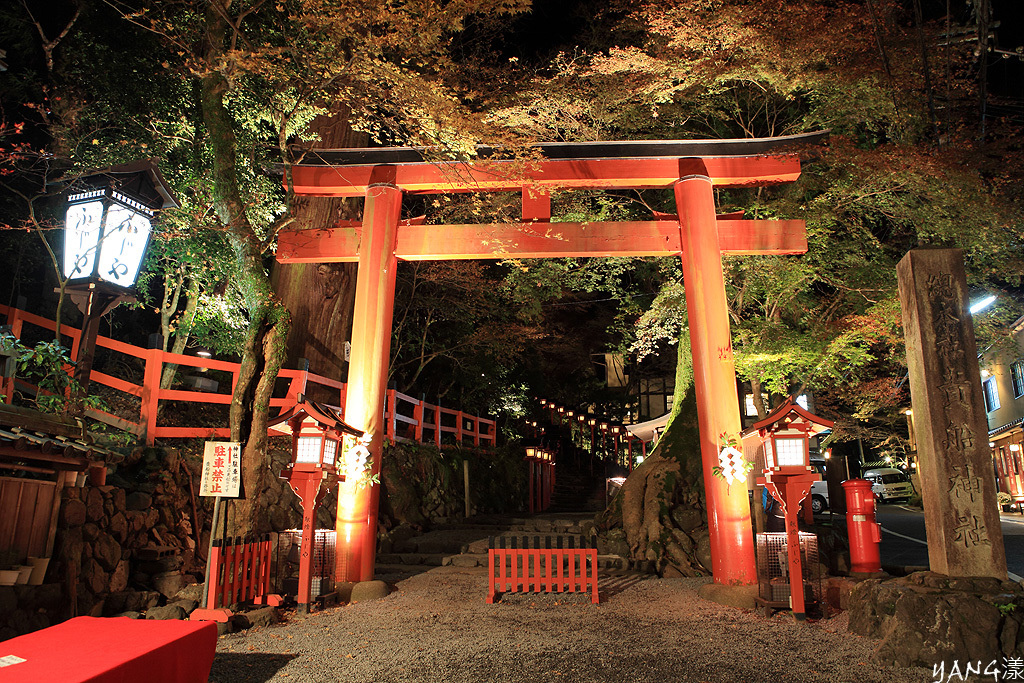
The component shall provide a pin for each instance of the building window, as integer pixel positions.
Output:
(991, 394)
(748, 404)
(1017, 378)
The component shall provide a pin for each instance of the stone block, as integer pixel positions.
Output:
(119, 577)
(137, 500)
(187, 605)
(94, 505)
(369, 590)
(168, 583)
(118, 527)
(73, 512)
(166, 612)
(193, 591)
(107, 551)
(264, 616)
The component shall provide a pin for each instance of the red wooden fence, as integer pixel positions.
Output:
(239, 572)
(549, 570)
(420, 421)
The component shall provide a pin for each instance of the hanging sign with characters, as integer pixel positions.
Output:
(222, 471)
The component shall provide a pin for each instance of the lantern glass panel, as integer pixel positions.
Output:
(81, 236)
(125, 236)
(308, 449)
(330, 451)
(790, 452)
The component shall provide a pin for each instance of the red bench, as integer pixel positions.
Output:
(540, 569)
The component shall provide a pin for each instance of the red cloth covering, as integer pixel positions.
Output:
(114, 650)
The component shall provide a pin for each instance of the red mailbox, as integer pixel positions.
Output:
(864, 532)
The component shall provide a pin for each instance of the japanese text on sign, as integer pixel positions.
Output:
(221, 469)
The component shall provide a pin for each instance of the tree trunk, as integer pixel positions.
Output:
(264, 349)
(181, 335)
(321, 296)
(661, 506)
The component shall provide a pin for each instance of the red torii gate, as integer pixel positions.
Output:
(691, 168)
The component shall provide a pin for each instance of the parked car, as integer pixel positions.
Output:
(889, 484)
(819, 489)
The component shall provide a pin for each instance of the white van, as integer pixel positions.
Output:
(889, 484)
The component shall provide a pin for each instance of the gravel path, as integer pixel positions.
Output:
(437, 627)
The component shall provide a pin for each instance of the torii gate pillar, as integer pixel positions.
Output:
(368, 377)
(714, 374)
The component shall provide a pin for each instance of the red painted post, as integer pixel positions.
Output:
(732, 548)
(151, 394)
(437, 426)
(367, 377)
(529, 469)
(458, 426)
(390, 415)
(417, 414)
(215, 580)
(310, 486)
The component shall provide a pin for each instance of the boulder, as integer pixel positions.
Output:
(369, 590)
(193, 591)
(168, 583)
(187, 605)
(106, 551)
(265, 616)
(90, 532)
(118, 527)
(94, 577)
(927, 618)
(73, 512)
(94, 505)
(137, 500)
(119, 577)
(166, 612)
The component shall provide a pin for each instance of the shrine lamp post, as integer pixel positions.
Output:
(785, 436)
(107, 226)
(317, 437)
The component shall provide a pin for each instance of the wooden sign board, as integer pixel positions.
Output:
(222, 469)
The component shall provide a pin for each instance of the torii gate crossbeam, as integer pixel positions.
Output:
(691, 168)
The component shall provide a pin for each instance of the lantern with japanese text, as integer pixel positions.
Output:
(107, 226)
(784, 437)
(317, 432)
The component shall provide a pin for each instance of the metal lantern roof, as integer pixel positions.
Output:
(140, 180)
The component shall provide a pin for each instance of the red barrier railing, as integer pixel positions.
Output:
(548, 570)
(428, 422)
(239, 572)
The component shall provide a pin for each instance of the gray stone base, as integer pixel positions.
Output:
(927, 618)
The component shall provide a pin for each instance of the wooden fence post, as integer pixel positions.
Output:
(151, 394)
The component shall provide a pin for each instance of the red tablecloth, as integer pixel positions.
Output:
(114, 650)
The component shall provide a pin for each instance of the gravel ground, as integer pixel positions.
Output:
(437, 627)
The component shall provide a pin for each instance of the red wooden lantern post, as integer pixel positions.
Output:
(785, 436)
(317, 433)
(531, 459)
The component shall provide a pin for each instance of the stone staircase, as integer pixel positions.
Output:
(465, 544)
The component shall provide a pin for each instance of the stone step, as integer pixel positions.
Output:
(549, 540)
(604, 562)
